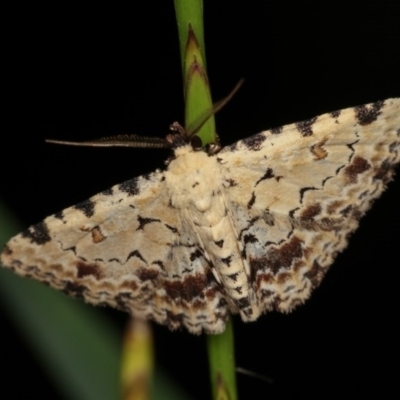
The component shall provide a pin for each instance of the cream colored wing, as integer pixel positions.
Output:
(294, 194)
(127, 248)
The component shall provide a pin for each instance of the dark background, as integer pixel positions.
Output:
(75, 73)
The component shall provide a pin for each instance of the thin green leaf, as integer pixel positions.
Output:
(78, 347)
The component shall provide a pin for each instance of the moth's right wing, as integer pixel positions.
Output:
(295, 194)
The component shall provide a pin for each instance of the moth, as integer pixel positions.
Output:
(248, 228)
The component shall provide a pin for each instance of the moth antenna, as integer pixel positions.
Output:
(195, 127)
(221, 103)
(153, 142)
(120, 141)
(254, 375)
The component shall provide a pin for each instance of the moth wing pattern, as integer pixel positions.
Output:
(250, 229)
(125, 248)
(295, 194)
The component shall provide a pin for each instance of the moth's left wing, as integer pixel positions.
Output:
(294, 194)
(127, 248)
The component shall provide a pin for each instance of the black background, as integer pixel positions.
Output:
(79, 73)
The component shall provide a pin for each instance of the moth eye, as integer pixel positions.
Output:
(196, 143)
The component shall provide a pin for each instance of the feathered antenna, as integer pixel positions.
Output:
(121, 141)
(155, 142)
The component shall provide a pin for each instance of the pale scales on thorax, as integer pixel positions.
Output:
(250, 229)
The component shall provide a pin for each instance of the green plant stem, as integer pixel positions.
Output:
(221, 356)
(197, 93)
(189, 14)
